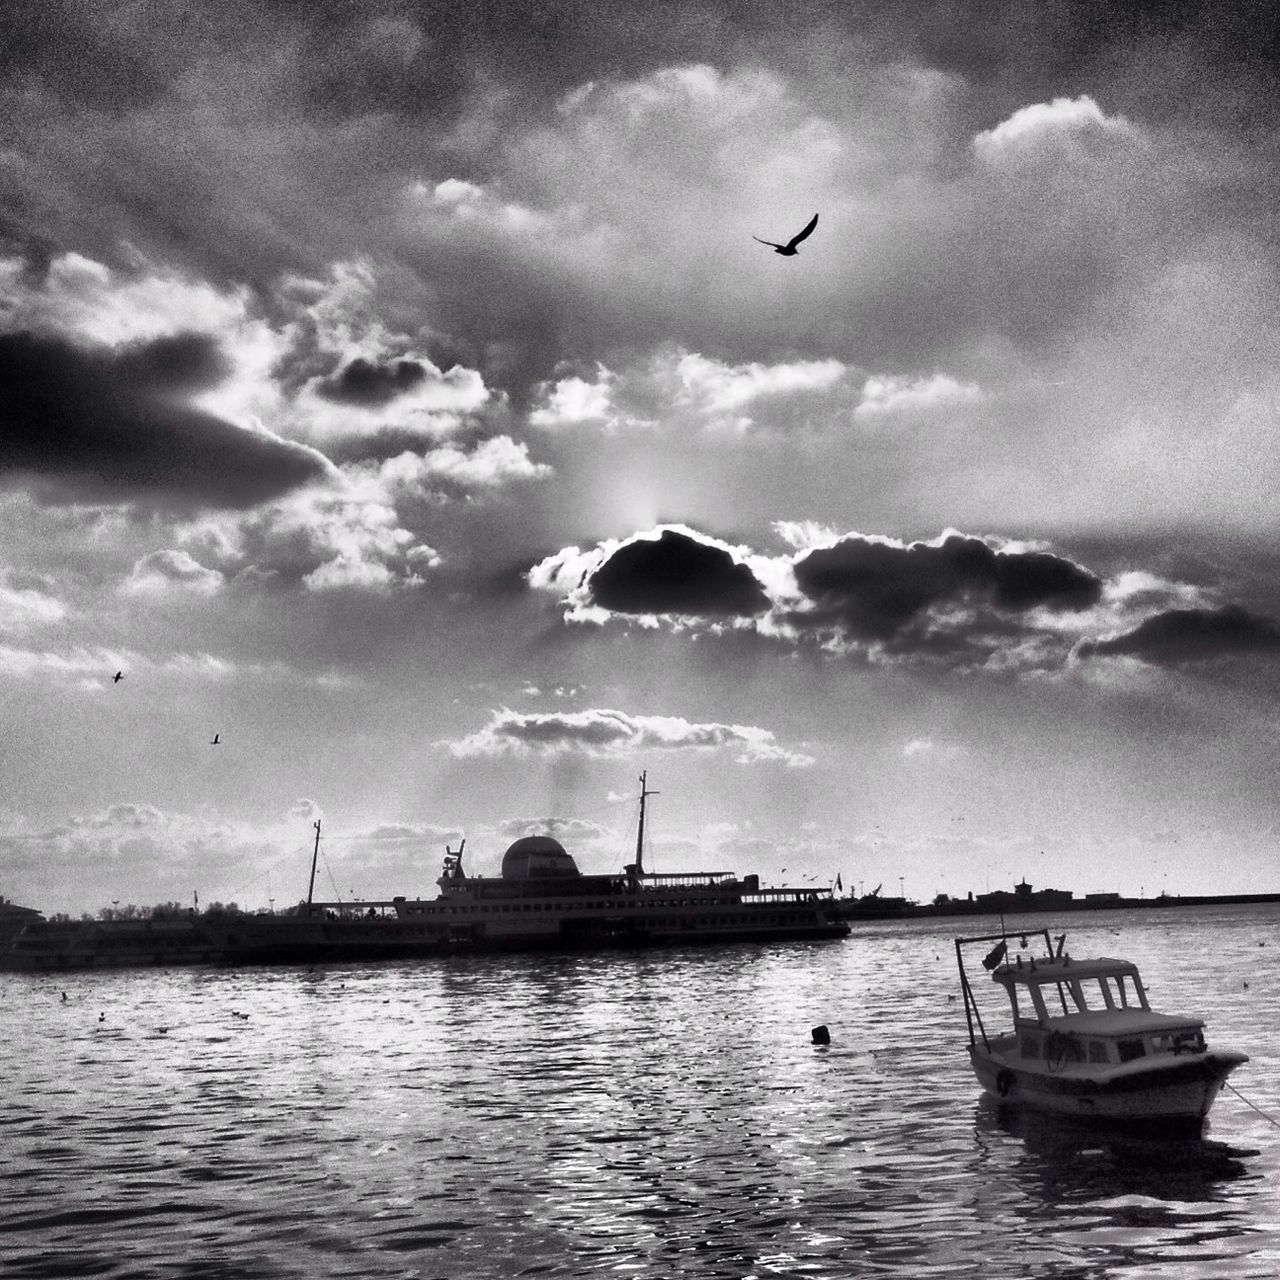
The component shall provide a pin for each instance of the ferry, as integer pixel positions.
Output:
(1085, 1042)
(540, 900)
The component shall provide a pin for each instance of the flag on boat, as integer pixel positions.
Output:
(839, 886)
(995, 955)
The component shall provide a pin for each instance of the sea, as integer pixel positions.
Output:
(630, 1114)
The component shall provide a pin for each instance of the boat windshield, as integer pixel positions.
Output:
(1055, 989)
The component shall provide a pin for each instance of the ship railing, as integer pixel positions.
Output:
(360, 909)
(688, 879)
(788, 894)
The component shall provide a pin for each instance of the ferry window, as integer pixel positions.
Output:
(1098, 1051)
(1131, 1049)
(1030, 1046)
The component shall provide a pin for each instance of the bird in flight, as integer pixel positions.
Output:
(789, 249)
(216, 736)
(119, 675)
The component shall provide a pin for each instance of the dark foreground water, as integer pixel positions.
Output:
(636, 1115)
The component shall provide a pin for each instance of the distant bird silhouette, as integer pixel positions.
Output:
(789, 249)
(119, 675)
(216, 736)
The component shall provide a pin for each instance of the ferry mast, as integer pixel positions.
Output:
(645, 793)
(315, 854)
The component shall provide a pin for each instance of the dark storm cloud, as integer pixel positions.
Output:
(82, 425)
(875, 589)
(1191, 635)
(676, 574)
(370, 385)
(181, 362)
(88, 57)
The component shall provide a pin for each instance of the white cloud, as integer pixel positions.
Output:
(1043, 126)
(685, 391)
(493, 462)
(887, 395)
(718, 392)
(573, 401)
(87, 300)
(154, 855)
(162, 571)
(22, 608)
(605, 732)
(927, 748)
(78, 664)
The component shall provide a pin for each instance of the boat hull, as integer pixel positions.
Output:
(1174, 1093)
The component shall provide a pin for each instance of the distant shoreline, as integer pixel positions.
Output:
(899, 908)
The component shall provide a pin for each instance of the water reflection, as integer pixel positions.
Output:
(1133, 1200)
(1068, 1159)
(651, 1115)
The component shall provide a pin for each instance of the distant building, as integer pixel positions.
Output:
(1025, 898)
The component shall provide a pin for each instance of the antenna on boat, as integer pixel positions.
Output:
(315, 854)
(644, 795)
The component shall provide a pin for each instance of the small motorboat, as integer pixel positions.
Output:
(1085, 1041)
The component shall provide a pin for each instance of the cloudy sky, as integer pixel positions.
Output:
(397, 391)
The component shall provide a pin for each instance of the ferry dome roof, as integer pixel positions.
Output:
(532, 857)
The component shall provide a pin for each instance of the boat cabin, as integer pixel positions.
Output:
(1090, 1011)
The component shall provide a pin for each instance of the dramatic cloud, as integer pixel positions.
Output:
(367, 384)
(608, 733)
(351, 539)
(875, 588)
(116, 427)
(677, 574)
(961, 601)
(1192, 635)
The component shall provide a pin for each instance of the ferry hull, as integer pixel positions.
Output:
(1174, 1094)
(283, 940)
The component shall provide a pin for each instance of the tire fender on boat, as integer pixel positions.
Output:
(1004, 1082)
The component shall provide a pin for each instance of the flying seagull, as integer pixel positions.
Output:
(119, 675)
(789, 249)
(216, 736)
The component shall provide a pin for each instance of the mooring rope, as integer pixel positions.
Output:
(1247, 1103)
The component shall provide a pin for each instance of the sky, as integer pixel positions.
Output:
(399, 392)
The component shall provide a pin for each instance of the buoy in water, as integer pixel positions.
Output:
(821, 1035)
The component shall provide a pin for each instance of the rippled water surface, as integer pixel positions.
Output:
(642, 1114)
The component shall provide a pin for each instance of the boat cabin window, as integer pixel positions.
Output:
(1063, 1048)
(1030, 1045)
(1184, 1040)
(1098, 1051)
(1131, 1049)
(1121, 992)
